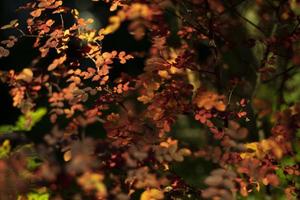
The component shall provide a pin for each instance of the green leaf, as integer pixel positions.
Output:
(281, 175)
(295, 7)
(12, 24)
(32, 117)
(289, 161)
(292, 94)
(25, 123)
(5, 149)
(298, 133)
(38, 196)
(33, 163)
(7, 128)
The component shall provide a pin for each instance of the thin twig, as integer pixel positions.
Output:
(230, 95)
(247, 20)
(271, 4)
(281, 74)
(14, 135)
(250, 22)
(62, 21)
(200, 29)
(30, 36)
(205, 71)
(233, 6)
(25, 35)
(295, 29)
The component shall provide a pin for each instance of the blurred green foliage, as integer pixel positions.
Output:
(24, 123)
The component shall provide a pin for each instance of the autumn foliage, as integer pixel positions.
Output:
(211, 112)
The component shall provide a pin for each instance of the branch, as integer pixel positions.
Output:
(280, 74)
(14, 136)
(246, 20)
(200, 29)
(30, 36)
(233, 6)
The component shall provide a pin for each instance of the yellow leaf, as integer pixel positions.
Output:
(152, 194)
(260, 149)
(164, 74)
(12, 24)
(5, 148)
(114, 24)
(145, 99)
(67, 156)
(93, 181)
(113, 7)
(88, 36)
(26, 75)
(75, 13)
(251, 146)
(57, 62)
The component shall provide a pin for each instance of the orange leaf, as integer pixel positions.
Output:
(57, 62)
(36, 13)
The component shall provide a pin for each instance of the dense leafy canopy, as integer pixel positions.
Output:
(208, 109)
